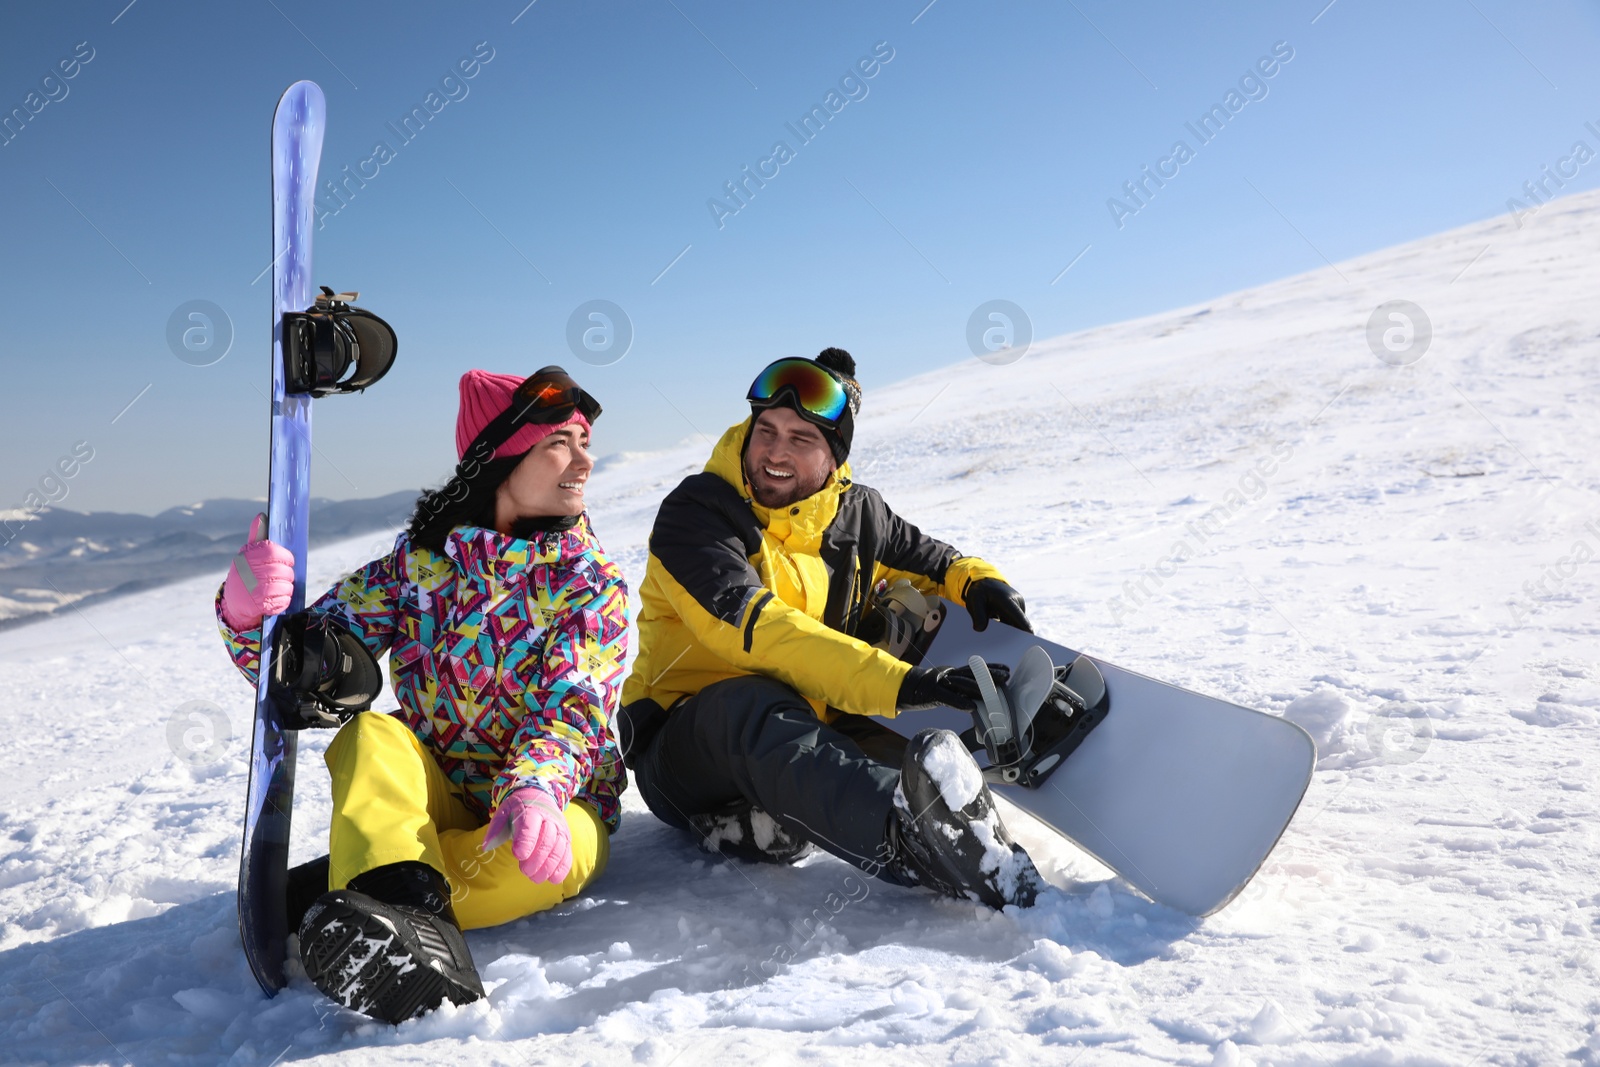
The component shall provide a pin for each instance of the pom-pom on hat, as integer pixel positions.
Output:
(485, 396)
(843, 365)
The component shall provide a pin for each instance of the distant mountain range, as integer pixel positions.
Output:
(60, 557)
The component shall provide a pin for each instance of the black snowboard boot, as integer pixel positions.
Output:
(944, 831)
(389, 946)
(746, 832)
(307, 882)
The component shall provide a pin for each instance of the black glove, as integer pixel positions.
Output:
(929, 687)
(990, 598)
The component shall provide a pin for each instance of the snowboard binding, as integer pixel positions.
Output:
(1040, 717)
(335, 347)
(902, 620)
(322, 674)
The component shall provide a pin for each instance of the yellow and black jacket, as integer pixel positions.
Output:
(733, 588)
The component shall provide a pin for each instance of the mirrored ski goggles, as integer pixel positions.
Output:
(817, 392)
(549, 395)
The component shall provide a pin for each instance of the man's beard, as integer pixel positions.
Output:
(781, 495)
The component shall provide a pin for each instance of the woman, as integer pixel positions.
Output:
(505, 625)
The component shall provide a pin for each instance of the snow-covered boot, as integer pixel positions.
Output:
(944, 831)
(389, 946)
(746, 832)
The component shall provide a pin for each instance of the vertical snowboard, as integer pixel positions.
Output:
(1181, 794)
(297, 128)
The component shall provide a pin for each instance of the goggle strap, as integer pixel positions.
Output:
(501, 429)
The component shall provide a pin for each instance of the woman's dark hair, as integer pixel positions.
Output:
(460, 501)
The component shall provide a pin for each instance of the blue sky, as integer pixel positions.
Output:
(578, 163)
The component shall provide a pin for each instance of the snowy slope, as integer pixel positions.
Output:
(1400, 558)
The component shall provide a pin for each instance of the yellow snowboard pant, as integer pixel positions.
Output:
(392, 802)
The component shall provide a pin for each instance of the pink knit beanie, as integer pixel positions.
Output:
(485, 396)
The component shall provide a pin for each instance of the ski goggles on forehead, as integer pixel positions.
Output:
(817, 392)
(549, 395)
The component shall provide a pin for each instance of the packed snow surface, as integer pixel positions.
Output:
(1237, 497)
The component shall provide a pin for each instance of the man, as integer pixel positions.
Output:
(745, 718)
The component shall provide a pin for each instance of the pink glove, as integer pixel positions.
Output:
(529, 819)
(260, 582)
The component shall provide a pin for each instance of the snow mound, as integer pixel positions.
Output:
(1324, 714)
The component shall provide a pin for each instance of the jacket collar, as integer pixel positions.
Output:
(478, 551)
(800, 524)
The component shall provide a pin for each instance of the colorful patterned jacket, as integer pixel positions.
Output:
(506, 656)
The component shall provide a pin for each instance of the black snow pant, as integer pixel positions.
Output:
(754, 739)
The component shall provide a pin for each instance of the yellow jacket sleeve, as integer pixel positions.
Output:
(766, 636)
